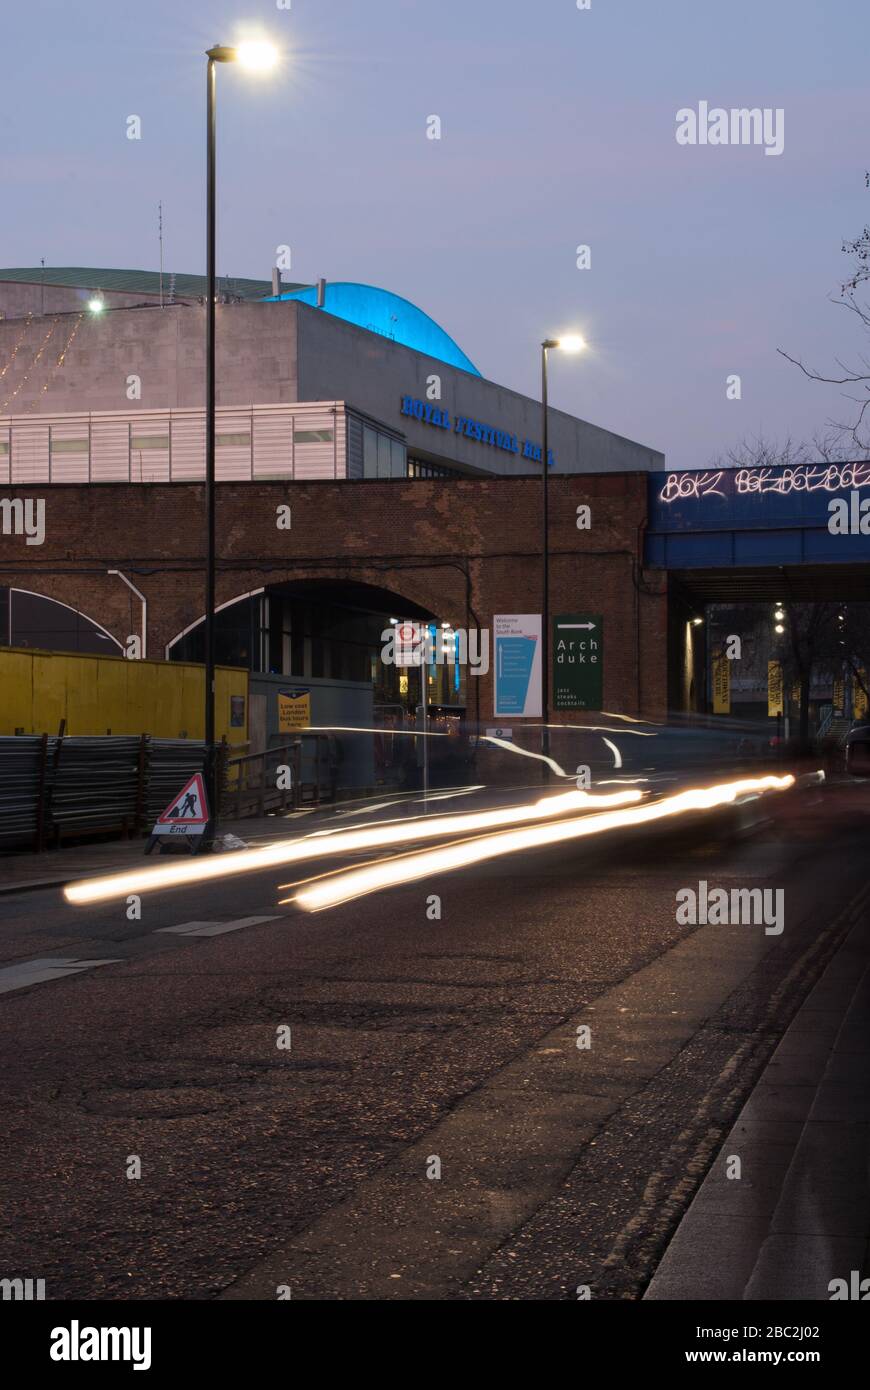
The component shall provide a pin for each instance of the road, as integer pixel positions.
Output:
(434, 1130)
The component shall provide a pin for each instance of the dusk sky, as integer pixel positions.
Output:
(558, 129)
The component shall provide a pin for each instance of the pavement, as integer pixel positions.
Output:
(784, 1212)
(26, 871)
(435, 1131)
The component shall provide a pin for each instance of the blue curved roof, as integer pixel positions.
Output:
(389, 315)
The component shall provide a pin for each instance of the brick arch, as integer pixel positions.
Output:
(24, 588)
(423, 589)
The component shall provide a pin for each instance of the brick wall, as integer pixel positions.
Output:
(439, 543)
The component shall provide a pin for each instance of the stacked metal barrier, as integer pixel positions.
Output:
(54, 788)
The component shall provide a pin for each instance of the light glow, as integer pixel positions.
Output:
(391, 835)
(397, 872)
(257, 55)
(572, 342)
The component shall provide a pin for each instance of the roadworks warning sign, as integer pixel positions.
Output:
(187, 813)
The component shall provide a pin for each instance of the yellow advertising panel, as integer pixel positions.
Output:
(774, 688)
(294, 711)
(839, 696)
(862, 703)
(721, 684)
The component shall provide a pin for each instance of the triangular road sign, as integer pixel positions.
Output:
(187, 813)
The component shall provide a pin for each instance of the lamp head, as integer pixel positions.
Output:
(257, 55)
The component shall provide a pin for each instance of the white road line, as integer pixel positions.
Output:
(216, 928)
(34, 972)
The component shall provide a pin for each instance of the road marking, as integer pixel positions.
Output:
(34, 972)
(216, 928)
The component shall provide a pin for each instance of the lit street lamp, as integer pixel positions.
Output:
(570, 343)
(256, 55)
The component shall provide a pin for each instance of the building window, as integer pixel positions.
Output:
(233, 440)
(383, 456)
(312, 436)
(418, 468)
(149, 441)
(69, 446)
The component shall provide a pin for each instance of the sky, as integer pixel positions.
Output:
(558, 130)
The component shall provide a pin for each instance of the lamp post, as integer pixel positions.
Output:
(571, 343)
(255, 54)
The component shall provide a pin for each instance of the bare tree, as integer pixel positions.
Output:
(857, 375)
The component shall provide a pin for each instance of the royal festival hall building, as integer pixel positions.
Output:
(330, 386)
(336, 380)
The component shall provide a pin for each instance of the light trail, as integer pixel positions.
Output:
(394, 873)
(315, 846)
(617, 756)
(525, 753)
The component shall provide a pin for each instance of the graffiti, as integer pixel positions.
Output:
(680, 485)
(804, 477)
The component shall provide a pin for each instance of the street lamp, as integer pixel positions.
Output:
(258, 55)
(572, 342)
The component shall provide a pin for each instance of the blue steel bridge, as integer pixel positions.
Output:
(741, 534)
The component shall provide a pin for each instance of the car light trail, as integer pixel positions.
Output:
(316, 846)
(394, 873)
(525, 753)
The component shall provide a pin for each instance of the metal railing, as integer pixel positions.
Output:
(276, 779)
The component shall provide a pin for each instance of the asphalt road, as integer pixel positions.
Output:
(419, 1047)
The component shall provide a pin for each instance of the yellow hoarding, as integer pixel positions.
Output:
(111, 695)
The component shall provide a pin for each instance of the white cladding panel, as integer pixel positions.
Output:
(307, 440)
(30, 457)
(110, 451)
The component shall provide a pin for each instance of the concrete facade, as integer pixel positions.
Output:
(285, 351)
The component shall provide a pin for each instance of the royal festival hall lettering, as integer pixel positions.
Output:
(429, 414)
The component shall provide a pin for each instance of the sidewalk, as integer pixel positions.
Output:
(54, 867)
(798, 1217)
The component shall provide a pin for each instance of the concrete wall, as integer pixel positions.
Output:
(340, 361)
(18, 299)
(165, 348)
(271, 353)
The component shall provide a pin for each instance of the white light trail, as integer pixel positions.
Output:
(525, 753)
(397, 872)
(316, 846)
(617, 756)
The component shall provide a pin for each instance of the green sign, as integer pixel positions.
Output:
(578, 661)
